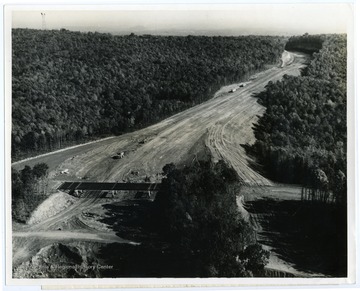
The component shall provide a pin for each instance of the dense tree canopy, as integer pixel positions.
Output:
(197, 213)
(69, 86)
(302, 136)
(305, 43)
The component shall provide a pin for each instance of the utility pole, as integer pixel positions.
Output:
(43, 24)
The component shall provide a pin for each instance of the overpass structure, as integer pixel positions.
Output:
(86, 186)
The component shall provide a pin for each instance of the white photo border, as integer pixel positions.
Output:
(183, 282)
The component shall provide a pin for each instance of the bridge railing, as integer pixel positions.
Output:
(109, 186)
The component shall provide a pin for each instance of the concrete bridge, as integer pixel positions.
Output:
(86, 186)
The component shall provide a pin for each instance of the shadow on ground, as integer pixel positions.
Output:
(152, 258)
(310, 235)
(129, 219)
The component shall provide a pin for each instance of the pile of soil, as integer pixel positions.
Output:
(75, 260)
(51, 206)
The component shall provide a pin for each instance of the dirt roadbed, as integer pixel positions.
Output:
(224, 123)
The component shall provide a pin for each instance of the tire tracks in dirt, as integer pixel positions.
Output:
(225, 121)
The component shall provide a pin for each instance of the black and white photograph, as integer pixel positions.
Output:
(180, 141)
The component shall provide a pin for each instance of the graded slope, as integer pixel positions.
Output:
(225, 122)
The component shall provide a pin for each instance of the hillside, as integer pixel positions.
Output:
(214, 129)
(305, 43)
(302, 139)
(70, 86)
(302, 135)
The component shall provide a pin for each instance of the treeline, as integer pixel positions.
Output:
(306, 43)
(70, 86)
(196, 212)
(29, 189)
(301, 138)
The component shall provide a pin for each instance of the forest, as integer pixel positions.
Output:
(306, 43)
(301, 138)
(68, 86)
(196, 212)
(192, 229)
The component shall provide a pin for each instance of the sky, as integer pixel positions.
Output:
(243, 19)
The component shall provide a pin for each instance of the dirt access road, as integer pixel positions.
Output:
(221, 124)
